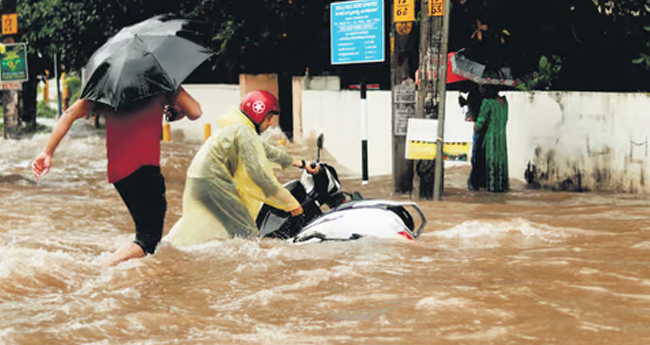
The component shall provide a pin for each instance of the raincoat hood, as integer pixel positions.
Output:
(234, 116)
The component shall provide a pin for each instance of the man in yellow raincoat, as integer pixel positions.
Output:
(232, 174)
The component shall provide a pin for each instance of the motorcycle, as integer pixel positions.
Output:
(330, 214)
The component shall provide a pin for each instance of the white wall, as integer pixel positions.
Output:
(576, 140)
(600, 139)
(214, 99)
(337, 114)
(331, 83)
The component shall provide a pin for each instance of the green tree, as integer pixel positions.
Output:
(623, 8)
(644, 58)
(597, 40)
(72, 30)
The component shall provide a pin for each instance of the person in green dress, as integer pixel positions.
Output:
(493, 117)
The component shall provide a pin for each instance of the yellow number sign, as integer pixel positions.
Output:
(9, 24)
(436, 8)
(404, 10)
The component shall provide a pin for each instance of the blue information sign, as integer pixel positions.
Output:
(357, 31)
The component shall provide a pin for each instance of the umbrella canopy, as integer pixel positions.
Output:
(140, 61)
(479, 72)
(451, 76)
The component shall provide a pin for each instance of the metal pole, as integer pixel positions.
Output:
(442, 89)
(58, 86)
(364, 133)
(403, 44)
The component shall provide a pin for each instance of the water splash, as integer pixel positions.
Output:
(516, 233)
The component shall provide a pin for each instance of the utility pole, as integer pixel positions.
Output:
(57, 78)
(403, 42)
(432, 87)
(10, 96)
(442, 87)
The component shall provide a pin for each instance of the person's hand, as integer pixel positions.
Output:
(172, 113)
(462, 101)
(296, 211)
(41, 165)
(313, 170)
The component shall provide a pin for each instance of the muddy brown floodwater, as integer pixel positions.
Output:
(526, 267)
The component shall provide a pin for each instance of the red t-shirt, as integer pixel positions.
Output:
(133, 141)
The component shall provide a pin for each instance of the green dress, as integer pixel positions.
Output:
(494, 115)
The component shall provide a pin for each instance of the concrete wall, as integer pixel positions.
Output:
(251, 82)
(297, 85)
(573, 140)
(336, 114)
(301, 84)
(215, 99)
(331, 83)
(581, 141)
(560, 140)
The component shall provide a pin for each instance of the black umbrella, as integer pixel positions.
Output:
(142, 60)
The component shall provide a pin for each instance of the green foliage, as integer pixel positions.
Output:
(44, 110)
(74, 29)
(549, 69)
(624, 7)
(244, 39)
(644, 58)
(74, 87)
(285, 36)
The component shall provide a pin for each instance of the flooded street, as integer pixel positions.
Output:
(527, 267)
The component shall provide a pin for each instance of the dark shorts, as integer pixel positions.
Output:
(143, 193)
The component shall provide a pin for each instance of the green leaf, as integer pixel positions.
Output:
(543, 63)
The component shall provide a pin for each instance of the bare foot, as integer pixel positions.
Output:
(127, 252)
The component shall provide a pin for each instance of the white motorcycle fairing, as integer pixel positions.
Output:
(358, 219)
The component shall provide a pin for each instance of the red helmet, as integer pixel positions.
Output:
(257, 104)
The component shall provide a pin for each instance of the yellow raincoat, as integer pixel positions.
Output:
(228, 179)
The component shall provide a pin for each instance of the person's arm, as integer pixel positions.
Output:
(483, 116)
(250, 148)
(278, 155)
(43, 162)
(474, 101)
(281, 157)
(307, 165)
(185, 105)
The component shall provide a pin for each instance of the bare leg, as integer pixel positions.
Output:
(127, 252)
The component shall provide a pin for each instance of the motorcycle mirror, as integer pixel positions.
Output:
(319, 144)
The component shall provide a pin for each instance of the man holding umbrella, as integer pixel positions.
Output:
(133, 80)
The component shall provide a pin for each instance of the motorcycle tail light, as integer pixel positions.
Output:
(405, 234)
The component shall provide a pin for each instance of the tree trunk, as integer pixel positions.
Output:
(10, 105)
(29, 112)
